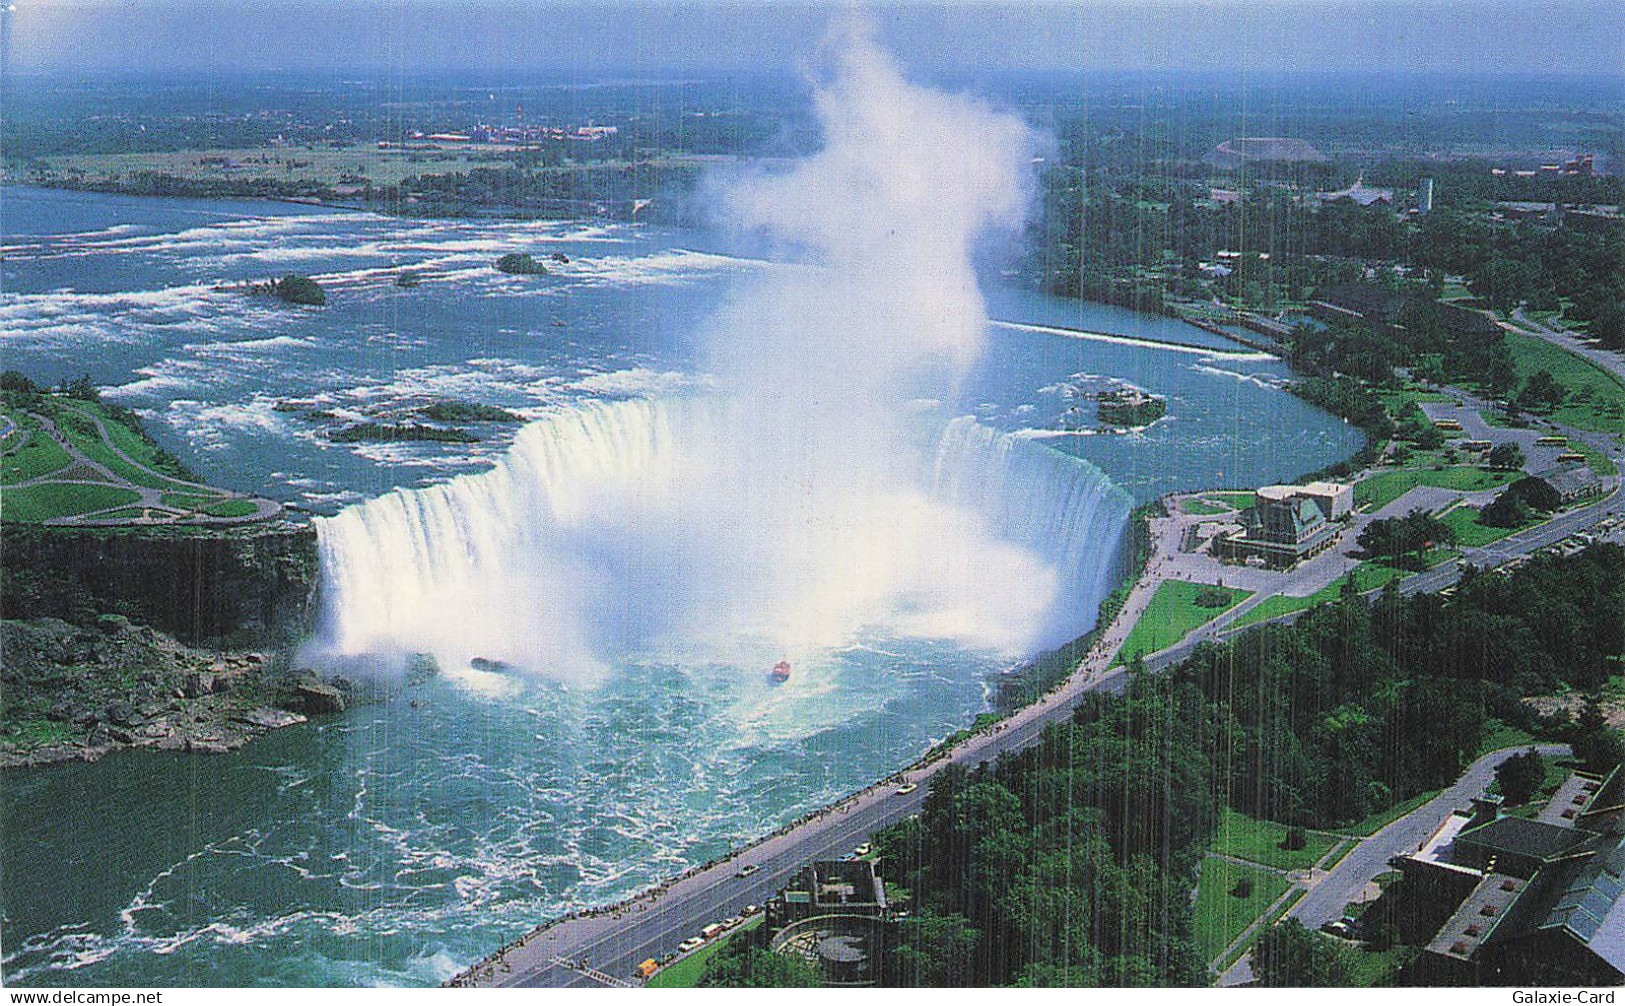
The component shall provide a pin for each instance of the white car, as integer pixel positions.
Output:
(751, 910)
(747, 870)
(690, 945)
(907, 788)
(863, 850)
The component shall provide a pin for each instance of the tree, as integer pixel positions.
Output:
(1290, 956)
(1597, 746)
(14, 380)
(1507, 456)
(934, 951)
(1506, 510)
(1520, 777)
(296, 289)
(1296, 838)
(1538, 493)
(1542, 393)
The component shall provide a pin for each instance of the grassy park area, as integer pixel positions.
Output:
(1383, 488)
(1175, 609)
(1596, 399)
(69, 455)
(1229, 898)
(1367, 576)
(1264, 842)
(1470, 533)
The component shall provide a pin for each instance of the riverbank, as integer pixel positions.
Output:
(80, 692)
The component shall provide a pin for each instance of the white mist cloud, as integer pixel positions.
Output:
(796, 503)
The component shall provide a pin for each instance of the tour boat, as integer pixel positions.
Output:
(780, 672)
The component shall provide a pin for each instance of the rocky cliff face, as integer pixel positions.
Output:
(70, 691)
(242, 586)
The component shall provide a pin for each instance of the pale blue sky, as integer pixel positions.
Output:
(627, 38)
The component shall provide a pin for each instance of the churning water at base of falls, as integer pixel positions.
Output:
(399, 842)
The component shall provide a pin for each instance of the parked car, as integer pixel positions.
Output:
(863, 850)
(746, 870)
(690, 945)
(907, 788)
(751, 910)
(712, 931)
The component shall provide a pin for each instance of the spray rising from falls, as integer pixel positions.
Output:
(798, 505)
(581, 547)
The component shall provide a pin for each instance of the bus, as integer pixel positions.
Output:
(1447, 424)
(1553, 441)
(1571, 456)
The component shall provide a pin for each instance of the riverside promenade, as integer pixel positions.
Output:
(614, 939)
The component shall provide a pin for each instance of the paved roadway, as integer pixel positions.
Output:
(1327, 899)
(650, 926)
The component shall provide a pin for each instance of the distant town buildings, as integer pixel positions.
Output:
(1360, 194)
(516, 134)
(1262, 149)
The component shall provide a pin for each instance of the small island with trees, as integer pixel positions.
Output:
(1130, 407)
(521, 264)
(290, 289)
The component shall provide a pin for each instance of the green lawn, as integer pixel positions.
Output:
(1239, 500)
(1367, 576)
(1396, 400)
(40, 455)
(1220, 915)
(74, 421)
(1201, 508)
(1596, 398)
(1172, 614)
(1470, 533)
(1371, 968)
(685, 974)
(1501, 421)
(1498, 735)
(187, 501)
(1596, 460)
(43, 502)
(1383, 488)
(1260, 842)
(231, 508)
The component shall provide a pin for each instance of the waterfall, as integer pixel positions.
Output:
(613, 527)
(1060, 507)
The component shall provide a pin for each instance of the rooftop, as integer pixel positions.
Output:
(1591, 907)
(1522, 837)
(1478, 915)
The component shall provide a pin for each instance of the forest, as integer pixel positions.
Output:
(1072, 861)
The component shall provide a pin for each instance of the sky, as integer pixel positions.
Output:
(665, 39)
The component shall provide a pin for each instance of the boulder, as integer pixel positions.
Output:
(269, 719)
(316, 697)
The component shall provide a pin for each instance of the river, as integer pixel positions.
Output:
(399, 842)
